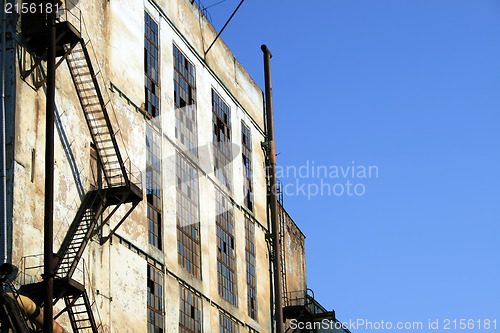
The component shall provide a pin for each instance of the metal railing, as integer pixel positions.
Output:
(73, 16)
(31, 269)
(303, 298)
(93, 302)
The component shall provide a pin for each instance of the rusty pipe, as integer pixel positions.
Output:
(3, 151)
(48, 223)
(273, 195)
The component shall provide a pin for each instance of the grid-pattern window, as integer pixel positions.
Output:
(227, 325)
(222, 139)
(188, 224)
(226, 263)
(246, 153)
(185, 101)
(153, 185)
(190, 312)
(250, 260)
(155, 300)
(151, 64)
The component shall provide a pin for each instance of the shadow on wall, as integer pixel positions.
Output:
(67, 150)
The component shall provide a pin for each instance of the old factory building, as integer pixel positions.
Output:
(161, 216)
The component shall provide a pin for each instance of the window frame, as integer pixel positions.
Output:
(185, 73)
(149, 45)
(185, 236)
(222, 140)
(246, 154)
(188, 299)
(152, 283)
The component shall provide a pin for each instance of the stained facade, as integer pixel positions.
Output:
(192, 255)
(160, 193)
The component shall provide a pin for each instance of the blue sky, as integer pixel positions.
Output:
(409, 86)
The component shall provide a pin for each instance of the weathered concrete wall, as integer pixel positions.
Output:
(295, 255)
(194, 26)
(118, 269)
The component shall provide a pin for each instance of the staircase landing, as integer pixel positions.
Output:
(36, 34)
(62, 287)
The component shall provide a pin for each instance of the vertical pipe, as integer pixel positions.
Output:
(271, 283)
(3, 171)
(278, 305)
(48, 245)
(3, 151)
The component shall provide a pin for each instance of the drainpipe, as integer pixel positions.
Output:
(48, 223)
(268, 218)
(3, 171)
(278, 300)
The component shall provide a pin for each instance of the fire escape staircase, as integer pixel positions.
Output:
(99, 205)
(302, 306)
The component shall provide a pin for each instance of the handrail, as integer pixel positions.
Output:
(122, 148)
(304, 299)
(93, 303)
(32, 272)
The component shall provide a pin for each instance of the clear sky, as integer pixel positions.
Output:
(413, 88)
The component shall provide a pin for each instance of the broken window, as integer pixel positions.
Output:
(226, 324)
(151, 65)
(246, 153)
(222, 139)
(250, 261)
(153, 185)
(155, 300)
(184, 101)
(190, 312)
(188, 224)
(226, 263)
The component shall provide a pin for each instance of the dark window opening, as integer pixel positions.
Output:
(155, 300)
(246, 154)
(190, 320)
(184, 101)
(221, 120)
(151, 66)
(250, 261)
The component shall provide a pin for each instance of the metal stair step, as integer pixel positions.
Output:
(92, 104)
(80, 66)
(85, 81)
(88, 97)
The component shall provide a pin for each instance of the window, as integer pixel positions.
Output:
(246, 153)
(151, 64)
(226, 324)
(155, 300)
(222, 139)
(226, 264)
(188, 223)
(190, 312)
(153, 185)
(250, 261)
(184, 100)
